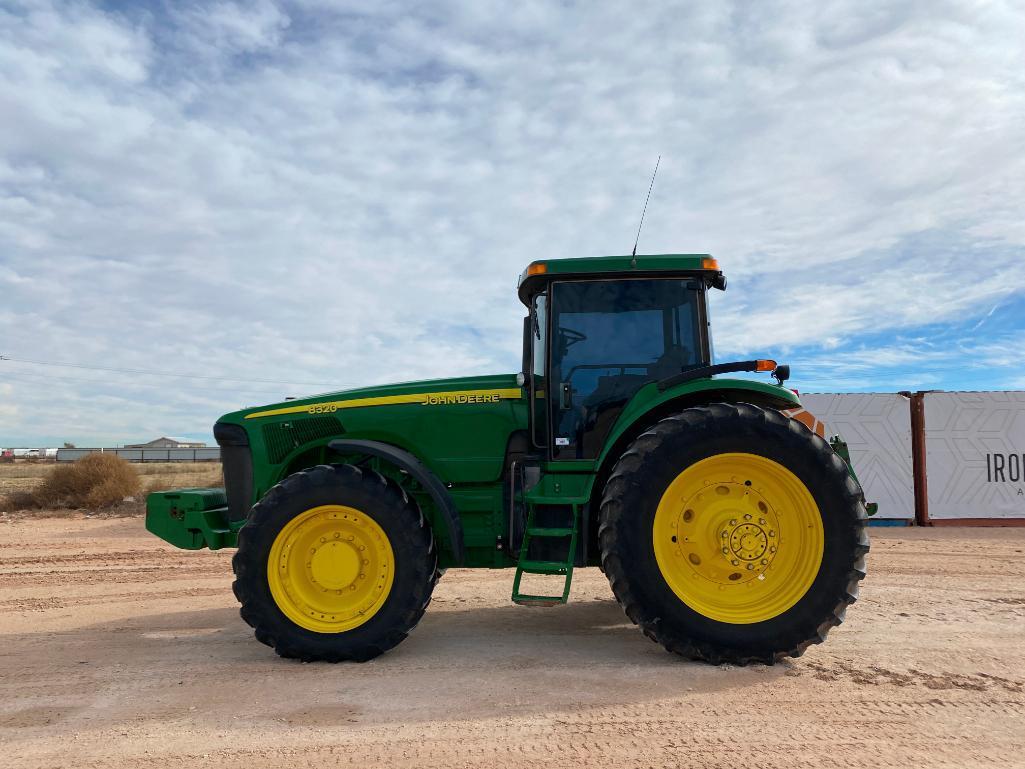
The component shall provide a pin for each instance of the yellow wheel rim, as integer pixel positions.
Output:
(331, 568)
(738, 538)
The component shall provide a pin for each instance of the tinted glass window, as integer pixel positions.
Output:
(539, 338)
(609, 338)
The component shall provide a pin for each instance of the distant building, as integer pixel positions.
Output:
(167, 443)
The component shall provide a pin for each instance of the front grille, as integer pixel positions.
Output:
(284, 437)
(237, 464)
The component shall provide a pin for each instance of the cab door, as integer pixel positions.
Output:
(607, 339)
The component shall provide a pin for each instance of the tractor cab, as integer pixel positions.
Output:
(600, 329)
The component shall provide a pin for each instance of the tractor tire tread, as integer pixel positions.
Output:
(249, 565)
(715, 420)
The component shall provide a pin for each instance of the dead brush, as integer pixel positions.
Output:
(94, 482)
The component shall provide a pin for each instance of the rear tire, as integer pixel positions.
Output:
(685, 527)
(378, 581)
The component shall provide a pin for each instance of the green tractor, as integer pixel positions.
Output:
(729, 531)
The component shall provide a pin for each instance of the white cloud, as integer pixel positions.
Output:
(346, 193)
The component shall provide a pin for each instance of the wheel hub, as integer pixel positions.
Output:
(748, 541)
(334, 565)
(727, 532)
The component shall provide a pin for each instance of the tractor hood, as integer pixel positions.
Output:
(474, 389)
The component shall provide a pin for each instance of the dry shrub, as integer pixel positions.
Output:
(19, 500)
(94, 482)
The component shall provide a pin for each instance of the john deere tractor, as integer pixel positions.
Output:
(729, 531)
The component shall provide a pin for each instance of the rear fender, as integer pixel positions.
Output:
(650, 405)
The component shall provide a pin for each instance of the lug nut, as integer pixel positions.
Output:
(747, 516)
(733, 522)
(750, 566)
(761, 521)
(735, 562)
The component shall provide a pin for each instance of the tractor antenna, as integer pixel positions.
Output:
(644, 211)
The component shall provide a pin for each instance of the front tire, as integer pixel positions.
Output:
(731, 533)
(335, 563)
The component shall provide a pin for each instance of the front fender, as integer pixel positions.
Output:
(423, 475)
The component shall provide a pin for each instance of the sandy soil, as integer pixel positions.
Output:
(117, 651)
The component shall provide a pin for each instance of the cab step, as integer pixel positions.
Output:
(537, 600)
(549, 568)
(543, 567)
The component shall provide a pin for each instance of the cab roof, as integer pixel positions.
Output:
(538, 274)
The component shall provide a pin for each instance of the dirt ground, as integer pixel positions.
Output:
(119, 651)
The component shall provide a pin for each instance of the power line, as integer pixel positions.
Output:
(150, 372)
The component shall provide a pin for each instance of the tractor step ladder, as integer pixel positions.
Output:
(563, 568)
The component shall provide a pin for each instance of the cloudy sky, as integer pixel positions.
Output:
(292, 197)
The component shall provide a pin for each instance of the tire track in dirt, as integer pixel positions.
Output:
(44, 604)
